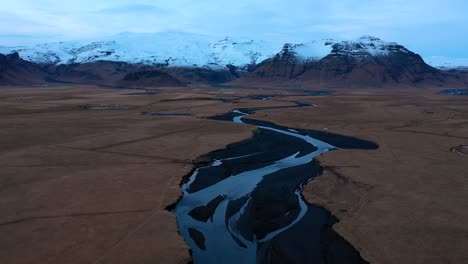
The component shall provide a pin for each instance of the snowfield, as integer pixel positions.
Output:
(175, 49)
(171, 49)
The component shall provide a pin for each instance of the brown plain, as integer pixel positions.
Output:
(84, 185)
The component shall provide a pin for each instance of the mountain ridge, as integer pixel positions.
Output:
(156, 49)
(370, 62)
(180, 49)
(189, 59)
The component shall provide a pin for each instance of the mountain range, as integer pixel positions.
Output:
(181, 59)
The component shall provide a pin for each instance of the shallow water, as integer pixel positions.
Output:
(245, 206)
(454, 92)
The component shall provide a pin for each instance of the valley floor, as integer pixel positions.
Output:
(86, 177)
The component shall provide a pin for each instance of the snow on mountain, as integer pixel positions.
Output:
(446, 62)
(305, 52)
(171, 49)
(365, 46)
(192, 50)
(358, 49)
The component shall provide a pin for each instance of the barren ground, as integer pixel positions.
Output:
(86, 178)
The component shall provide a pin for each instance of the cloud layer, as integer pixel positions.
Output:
(431, 27)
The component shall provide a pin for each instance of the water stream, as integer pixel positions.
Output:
(245, 204)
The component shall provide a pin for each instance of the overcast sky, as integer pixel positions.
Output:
(429, 27)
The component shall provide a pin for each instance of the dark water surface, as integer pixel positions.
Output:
(454, 92)
(245, 206)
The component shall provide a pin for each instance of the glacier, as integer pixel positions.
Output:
(178, 49)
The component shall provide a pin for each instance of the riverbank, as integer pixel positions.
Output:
(82, 185)
(402, 203)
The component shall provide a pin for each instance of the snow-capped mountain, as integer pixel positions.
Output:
(154, 58)
(366, 46)
(192, 50)
(175, 49)
(357, 49)
(365, 62)
(170, 49)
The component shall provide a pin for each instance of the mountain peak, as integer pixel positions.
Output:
(367, 46)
